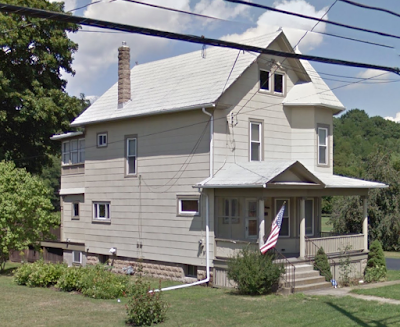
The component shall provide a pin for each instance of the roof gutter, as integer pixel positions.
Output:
(160, 112)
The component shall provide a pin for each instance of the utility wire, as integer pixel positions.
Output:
(256, 5)
(182, 37)
(361, 5)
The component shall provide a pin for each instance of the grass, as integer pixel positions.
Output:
(325, 227)
(392, 254)
(389, 292)
(195, 306)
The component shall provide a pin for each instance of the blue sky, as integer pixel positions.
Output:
(95, 62)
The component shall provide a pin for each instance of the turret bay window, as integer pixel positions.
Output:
(322, 146)
(73, 152)
(256, 138)
(131, 155)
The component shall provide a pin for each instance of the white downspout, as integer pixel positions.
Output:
(207, 279)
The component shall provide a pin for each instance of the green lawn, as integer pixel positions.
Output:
(195, 306)
(390, 291)
(325, 227)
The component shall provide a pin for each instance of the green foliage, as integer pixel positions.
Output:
(345, 268)
(25, 211)
(253, 272)
(34, 104)
(384, 204)
(376, 265)
(145, 307)
(39, 274)
(100, 283)
(71, 279)
(322, 265)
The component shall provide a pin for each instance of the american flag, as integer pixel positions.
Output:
(275, 229)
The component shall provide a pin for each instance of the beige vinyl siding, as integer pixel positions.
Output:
(232, 142)
(143, 208)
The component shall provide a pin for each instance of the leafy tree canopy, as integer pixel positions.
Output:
(25, 210)
(34, 104)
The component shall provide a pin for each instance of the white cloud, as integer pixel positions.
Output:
(372, 76)
(220, 9)
(97, 51)
(294, 27)
(395, 119)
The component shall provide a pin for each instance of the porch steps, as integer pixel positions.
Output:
(306, 278)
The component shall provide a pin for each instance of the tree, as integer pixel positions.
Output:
(25, 210)
(383, 208)
(376, 264)
(34, 103)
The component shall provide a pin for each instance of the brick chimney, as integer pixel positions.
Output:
(124, 74)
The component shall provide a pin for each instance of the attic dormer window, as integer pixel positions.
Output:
(272, 82)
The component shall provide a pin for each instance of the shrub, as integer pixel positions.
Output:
(39, 274)
(376, 264)
(71, 280)
(345, 268)
(145, 308)
(254, 272)
(100, 283)
(322, 265)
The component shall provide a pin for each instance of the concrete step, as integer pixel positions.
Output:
(304, 274)
(300, 268)
(307, 287)
(304, 281)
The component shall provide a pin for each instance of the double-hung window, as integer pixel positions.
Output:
(101, 211)
(285, 227)
(322, 146)
(73, 152)
(256, 141)
(131, 156)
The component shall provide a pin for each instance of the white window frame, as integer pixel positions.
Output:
(78, 150)
(283, 83)
(259, 142)
(326, 145)
(102, 140)
(182, 212)
(312, 217)
(74, 216)
(286, 213)
(248, 218)
(96, 211)
(128, 155)
(80, 256)
(268, 84)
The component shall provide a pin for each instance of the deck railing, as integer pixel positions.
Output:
(334, 244)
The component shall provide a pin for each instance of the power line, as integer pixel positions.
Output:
(174, 10)
(182, 37)
(251, 4)
(361, 5)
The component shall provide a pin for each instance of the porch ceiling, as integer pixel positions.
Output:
(280, 174)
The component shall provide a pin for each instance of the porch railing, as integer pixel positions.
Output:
(289, 277)
(334, 244)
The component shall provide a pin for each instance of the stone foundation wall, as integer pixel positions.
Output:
(155, 269)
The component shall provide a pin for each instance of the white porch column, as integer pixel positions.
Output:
(365, 222)
(302, 227)
(261, 223)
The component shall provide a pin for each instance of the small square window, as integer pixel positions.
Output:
(102, 140)
(77, 257)
(75, 210)
(101, 211)
(191, 271)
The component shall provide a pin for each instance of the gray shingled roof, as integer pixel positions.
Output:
(259, 174)
(179, 83)
(190, 81)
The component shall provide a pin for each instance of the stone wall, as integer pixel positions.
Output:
(155, 269)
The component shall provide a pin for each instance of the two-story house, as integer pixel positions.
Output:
(186, 160)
